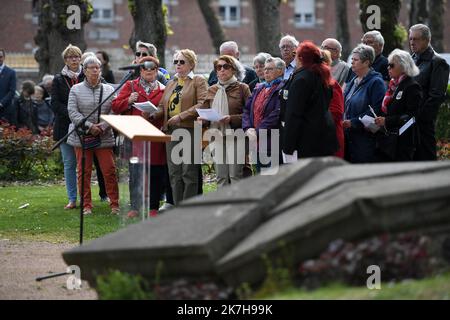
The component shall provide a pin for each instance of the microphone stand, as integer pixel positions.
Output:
(81, 134)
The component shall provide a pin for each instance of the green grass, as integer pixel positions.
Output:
(433, 288)
(46, 220)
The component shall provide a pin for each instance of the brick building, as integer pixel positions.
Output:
(111, 25)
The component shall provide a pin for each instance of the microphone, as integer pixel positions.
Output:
(145, 65)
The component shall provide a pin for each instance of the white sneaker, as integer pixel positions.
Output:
(166, 206)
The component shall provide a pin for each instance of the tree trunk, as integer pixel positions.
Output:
(53, 34)
(149, 25)
(266, 15)
(419, 12)
(342, 32)
(212, 21)
(436, 24)
(390, 27)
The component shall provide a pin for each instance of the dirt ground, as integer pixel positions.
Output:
(22, 262)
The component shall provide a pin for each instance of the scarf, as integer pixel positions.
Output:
(273, 82)
(147, 86)
(69, 73)
(220, 103)
(393, 85)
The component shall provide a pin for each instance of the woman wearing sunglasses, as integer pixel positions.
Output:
(183, 95)
(228, 98)
(144, 49)
(399, 106)
(145, 88)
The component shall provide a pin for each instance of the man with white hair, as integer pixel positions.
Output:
(230, 48)
(339, 68)
(376, 41)
(288, 46)
(144, 49)
(433, 78)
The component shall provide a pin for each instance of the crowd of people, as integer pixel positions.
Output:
(377, 109)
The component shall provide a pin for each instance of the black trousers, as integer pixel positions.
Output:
(426, 146)
(138, 185)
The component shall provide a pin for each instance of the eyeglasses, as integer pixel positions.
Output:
(73, 57)
(182, 62)
(286, 47)
(269, 69)
(93, 68)
(225, 66)
(141, 54)
(391, 66)
(329, 48)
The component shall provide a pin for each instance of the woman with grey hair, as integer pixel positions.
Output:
(262, 110)
(98, 137)
(400, 106)
(228, 98)
(258, 64)
(363, 96)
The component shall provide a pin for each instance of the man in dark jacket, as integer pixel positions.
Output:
(433, 78)
(7, 90)
(230, 48)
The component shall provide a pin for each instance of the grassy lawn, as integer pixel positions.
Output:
(433, 288)
(44, 219)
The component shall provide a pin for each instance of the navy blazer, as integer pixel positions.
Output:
(7, 92)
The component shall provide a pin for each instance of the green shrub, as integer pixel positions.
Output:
(122, 286)
(443, 121)
(25, 156)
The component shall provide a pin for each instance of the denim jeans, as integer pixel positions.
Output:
(70, 170)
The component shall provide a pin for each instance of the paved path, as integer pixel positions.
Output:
(22, 262)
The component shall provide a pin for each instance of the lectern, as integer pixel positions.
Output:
(135, 135)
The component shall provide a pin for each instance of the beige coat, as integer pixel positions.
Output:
(193, 96)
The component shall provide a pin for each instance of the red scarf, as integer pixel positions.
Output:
(393, 85)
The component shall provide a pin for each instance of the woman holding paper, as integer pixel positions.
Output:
(145, 89)
(228, 97)
(400, 106)
(183, 95)
(363, 97)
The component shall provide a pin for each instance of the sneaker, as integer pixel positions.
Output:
(115, 211)
(152, 213)
(87, 211)
(166, 206)
(132, 214)
(70, 205)
(105, 199)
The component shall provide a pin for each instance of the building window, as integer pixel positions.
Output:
(305, 13)
(103, 11)
(230, 12)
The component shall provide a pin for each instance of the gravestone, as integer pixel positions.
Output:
(224, 234)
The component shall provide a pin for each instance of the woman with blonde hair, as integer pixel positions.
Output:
(228, 97)
(183, 95)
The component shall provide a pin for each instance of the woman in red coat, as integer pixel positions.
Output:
(336, 109)
(145, 88)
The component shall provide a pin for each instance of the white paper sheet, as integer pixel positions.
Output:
(369, 123)
(406, 126)
(146, 106)
(209, 114)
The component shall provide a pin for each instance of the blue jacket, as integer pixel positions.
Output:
(360, 143)
(7, 92)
